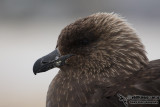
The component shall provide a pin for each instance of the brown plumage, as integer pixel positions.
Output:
(108, 59)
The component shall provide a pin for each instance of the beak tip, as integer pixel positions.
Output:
(36, 66)
(34, 72)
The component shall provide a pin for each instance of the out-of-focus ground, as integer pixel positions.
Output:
(29, 29)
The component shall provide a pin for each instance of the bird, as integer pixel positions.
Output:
(100, 57)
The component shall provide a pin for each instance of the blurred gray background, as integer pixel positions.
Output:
(29, 29)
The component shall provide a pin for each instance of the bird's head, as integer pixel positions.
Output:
(101, 42)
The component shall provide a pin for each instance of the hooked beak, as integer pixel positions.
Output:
(52, 60)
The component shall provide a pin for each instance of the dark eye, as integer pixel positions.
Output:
(83, 42)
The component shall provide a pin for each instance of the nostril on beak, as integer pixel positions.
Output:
(43, 62)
